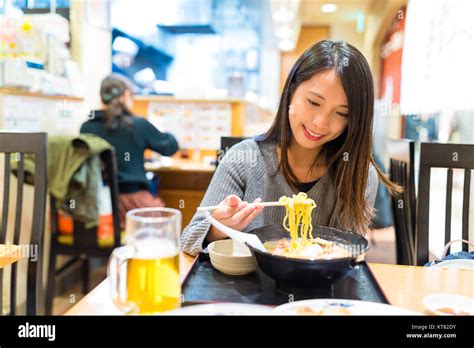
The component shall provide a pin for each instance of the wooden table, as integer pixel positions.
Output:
(404, 286)
(99, 301)
(180, 164)
(9, 254)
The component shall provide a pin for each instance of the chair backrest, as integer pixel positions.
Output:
(226, 144)
(450, 156)
(402, 157)
(15, 146)
(85, 240)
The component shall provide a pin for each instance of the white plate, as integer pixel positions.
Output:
(223, 309)
(339, 307)
(457, 264)
(435, 302)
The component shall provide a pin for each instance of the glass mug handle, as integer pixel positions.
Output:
(117, 273)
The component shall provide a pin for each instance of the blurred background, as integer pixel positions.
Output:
(419, 52)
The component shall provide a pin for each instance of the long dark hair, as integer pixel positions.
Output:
(117, 113)
(349, 176)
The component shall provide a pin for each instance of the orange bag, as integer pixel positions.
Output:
(105, 229)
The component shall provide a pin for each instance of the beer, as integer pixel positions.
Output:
(153, 283)
(144, 273)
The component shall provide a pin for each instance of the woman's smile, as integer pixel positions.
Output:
(311, 135)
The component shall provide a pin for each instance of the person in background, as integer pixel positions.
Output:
(130, 136)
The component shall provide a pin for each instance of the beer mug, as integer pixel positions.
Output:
(144, 274)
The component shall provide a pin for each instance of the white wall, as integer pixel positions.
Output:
(347, 32)
(270, 78)
(91, 49)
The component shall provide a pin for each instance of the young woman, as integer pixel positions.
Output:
(319, 143)
(130, 136)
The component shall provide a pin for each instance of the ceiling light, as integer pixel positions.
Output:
(282, 16)
(144, 76)
(286, 45)
(125, 45)
(328, 8)
(284, 33)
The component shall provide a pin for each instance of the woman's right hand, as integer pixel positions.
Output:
(233, 213)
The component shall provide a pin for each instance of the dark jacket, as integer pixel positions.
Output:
(130, 142)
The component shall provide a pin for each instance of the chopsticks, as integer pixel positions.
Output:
(261, 204)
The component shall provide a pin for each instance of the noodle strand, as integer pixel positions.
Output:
(298, 219)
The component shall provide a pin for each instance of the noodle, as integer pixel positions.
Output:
(302, 244)
(298, 217)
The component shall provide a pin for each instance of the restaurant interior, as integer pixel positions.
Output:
(203, 76)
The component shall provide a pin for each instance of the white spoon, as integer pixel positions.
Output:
(248, 238)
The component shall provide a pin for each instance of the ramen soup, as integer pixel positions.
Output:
(317, 248)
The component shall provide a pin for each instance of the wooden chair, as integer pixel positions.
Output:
(402, 157)
(19, 145)
(84, 243)
(434, 155)
(226, 144)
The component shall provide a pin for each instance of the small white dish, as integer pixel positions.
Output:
(456, 264)
(231, 257)
(447, 304)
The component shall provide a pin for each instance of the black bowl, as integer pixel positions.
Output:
(302, 273)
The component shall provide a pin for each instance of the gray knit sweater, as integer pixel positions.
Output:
(248, 171)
